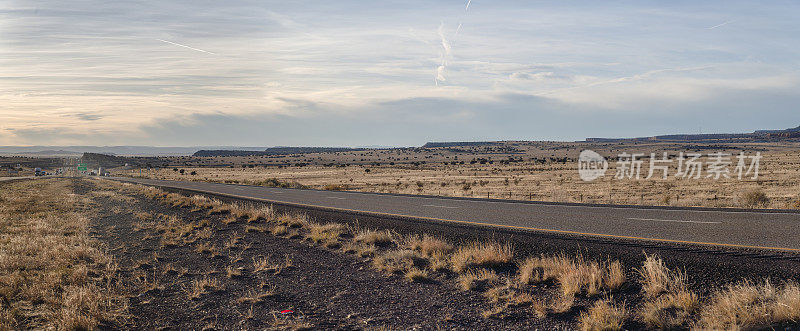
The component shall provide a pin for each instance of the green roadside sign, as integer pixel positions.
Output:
(81, 166)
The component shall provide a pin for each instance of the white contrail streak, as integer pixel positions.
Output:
(468, 2)
(719, 25)
(192, 48)
(446, 51)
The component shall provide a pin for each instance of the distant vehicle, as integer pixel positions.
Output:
(103, 172)
(38, 172)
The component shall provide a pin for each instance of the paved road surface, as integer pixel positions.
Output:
(728, 228)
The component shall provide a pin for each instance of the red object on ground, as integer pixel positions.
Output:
(287, 312)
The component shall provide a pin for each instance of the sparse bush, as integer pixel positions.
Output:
(750, 306)
(754, 199)
(429, 245)
(398, 260)
(477, 279)
(670, 310)
(325, 233)
(417, 275)
(374, 237)
(603, 315)
(657, 278)
(482, 255)
(573, 275)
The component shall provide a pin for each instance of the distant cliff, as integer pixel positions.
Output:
(274, 151)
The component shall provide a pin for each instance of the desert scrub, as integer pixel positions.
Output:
(573, 275)
(398, 260)
(603, 315)
(429, 246)
(754, 199)
(751, 306)
(53, 274)
(374, 237)
(481, 255)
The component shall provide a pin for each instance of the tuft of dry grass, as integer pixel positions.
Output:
(293, 221)
(255, 296)
(657, 278)
(573, 275)
(279, 230)
(327, 234)
(481, 255)
(603, 315)
(755, 198)
(198, 287)
(374, 237)
(205, 248)
(397, 260)
(670, 310)
(429, 245)
(417, 275)
(748, 306)
(477, 279)
(233, 272)
(262, 213)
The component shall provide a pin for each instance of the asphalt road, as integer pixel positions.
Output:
(746, 229)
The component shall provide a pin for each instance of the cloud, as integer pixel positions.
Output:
(93, 71)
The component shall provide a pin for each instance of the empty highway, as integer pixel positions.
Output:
(746, 229)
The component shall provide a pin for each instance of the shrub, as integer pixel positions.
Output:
(754, 199)
(398, 260)
(374, 237)
(482, 255)
(603, 315)
(749, 306)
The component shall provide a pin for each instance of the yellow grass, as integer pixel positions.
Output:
(603, 315)
(53, 274)
(748, 306)
(481, 255)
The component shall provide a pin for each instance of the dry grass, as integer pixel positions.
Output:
(429, 246)
(573, 275)
(327, 234)
(397, 260)
(477, 279)
(670, 310)
(658, 279)
(417, 275)
(257, 296)
(481, 255)
(53, 274)
(261, 213)
(292, 220)
(199, 287)
(374, 237)
(755, 198)
(603, 315)
(748, 306)
(233, 272)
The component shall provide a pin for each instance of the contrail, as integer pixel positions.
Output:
(719, 25)
(468, 2)
(192, 48)
(445, 55)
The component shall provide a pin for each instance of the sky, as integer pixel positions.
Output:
(391, 73)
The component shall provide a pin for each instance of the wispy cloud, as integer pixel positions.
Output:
(71, 74)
